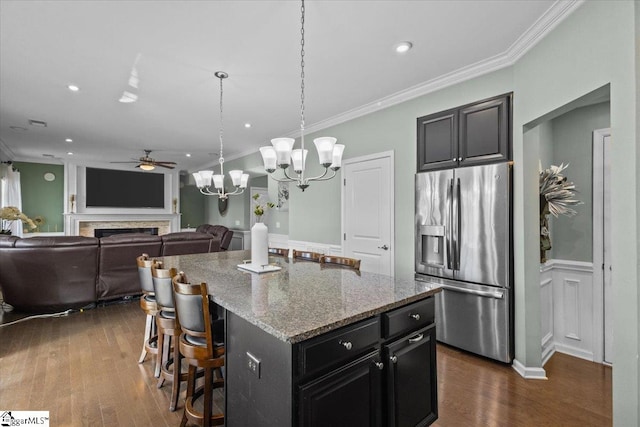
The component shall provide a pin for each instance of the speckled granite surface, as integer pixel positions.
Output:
(303, 299)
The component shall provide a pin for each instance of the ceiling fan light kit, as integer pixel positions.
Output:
(281, 155)
(205, 178)
(147, 163)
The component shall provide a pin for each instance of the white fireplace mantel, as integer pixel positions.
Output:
(78, 224)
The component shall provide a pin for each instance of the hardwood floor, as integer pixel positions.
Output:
(474, 391)
(83, 369)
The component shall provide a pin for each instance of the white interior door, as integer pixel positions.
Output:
(606, 253)
(602, 263)
(367, 217)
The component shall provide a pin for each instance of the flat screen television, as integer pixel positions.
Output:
(107, 188)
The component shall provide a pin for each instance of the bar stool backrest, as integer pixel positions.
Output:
(342, 261)
(162, 286)
(144, 272)
(307, 255)
(192, 311)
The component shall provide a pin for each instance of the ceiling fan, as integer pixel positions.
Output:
(147, 163)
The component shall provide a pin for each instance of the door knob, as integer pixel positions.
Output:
(385, 247)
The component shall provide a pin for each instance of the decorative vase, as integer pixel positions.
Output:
(259, 244)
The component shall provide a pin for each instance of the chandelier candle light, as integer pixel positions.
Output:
(204, 178)
(282, 155)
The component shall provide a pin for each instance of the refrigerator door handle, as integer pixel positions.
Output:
(458, 225)
(449, 236)
(490, 294)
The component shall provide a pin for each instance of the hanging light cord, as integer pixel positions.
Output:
(302, 84)
(221, 159)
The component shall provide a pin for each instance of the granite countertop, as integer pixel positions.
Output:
(304, 298)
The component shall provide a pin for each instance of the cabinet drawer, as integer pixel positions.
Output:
(338, 346)
(408, 318)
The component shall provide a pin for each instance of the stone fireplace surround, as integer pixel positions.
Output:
(85, 224)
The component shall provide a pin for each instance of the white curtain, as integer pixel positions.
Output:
(10, 193)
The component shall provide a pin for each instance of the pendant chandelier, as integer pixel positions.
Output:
(205, 178)
(282, 155)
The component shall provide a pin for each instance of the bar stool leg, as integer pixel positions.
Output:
(147, 335)
(177, 376)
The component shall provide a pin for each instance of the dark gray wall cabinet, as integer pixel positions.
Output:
(473, 134)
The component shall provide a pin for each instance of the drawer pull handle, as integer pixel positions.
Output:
(416, 338)
(379, 365)
(394, 359)
(415, 316)
(346, 344)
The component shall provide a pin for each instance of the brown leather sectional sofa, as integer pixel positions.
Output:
(50, 274)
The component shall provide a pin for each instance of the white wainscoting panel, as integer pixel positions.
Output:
(278, 240)
(546, 312)
(322, 248)
(569, 310)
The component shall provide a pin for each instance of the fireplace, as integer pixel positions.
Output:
(106, 232)
(84, 224)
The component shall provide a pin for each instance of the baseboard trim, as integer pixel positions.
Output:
(529, 373)
(575, 352)
(547, 352)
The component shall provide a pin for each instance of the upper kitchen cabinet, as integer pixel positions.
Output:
(473, 134)
(438, 141)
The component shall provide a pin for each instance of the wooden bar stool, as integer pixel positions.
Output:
(342, 261)
(149, 306)
(279, 252)
(198, 347)
(168, 358)
(307, 255)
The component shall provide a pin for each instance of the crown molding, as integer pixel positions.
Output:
(557, 13)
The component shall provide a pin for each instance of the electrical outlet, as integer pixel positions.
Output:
(237, 222)
(277, 224)
(253, 364)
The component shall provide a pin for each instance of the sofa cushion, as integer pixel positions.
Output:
(187, 242)
(117, 263)
(218, 231)
(7, 241)
(56, 241)
(49, 274)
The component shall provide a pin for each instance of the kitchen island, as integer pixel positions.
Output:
(314, 345)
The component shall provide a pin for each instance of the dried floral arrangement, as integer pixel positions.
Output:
(8, 214)
(557, 191)
(556, 196)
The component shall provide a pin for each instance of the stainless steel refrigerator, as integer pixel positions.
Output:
(464, 242)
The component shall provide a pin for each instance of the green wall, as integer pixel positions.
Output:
(41, 197)
(315, 215)
(591, 48)
(192, 204)
(572, 238)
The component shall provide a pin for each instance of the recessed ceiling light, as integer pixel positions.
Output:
(247, 125)
(73, 88)
(403, 47)
(188, 154)
(68, 140)
(69, 153)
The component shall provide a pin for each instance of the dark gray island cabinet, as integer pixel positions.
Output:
(309, 345)
(380, 371)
